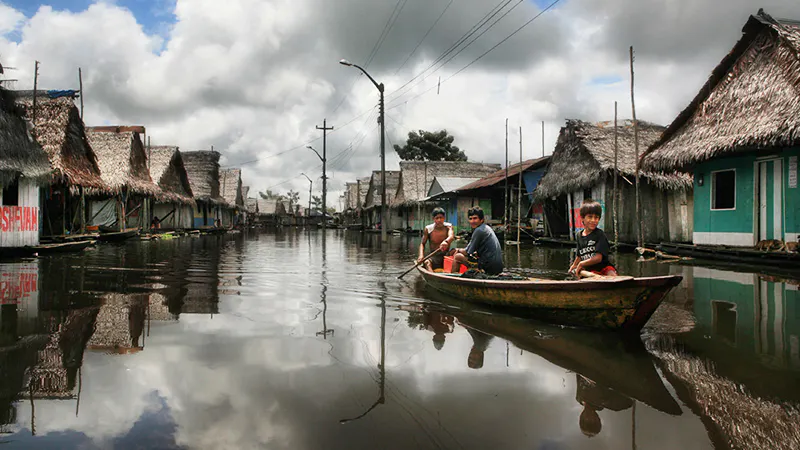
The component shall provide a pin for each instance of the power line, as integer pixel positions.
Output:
(479, 57)
(462, 49)
(460, 40)
(424, 37)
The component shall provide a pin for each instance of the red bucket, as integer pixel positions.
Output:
(448, 265)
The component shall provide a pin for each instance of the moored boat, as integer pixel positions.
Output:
(62, 247)
(619, 303)
(118, 236)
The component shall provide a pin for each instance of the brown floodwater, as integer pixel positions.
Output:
(289, 340)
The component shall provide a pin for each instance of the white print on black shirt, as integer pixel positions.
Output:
(588, 251)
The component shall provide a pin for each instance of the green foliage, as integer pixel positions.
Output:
(430, 146)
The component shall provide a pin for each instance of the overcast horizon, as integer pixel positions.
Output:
(254, 78)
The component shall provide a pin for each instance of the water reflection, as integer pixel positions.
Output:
(253, 340)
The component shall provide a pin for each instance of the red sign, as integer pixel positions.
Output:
(19, 218)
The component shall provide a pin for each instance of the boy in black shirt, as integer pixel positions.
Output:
(592, 243)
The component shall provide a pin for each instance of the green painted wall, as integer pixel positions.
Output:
(739, 220)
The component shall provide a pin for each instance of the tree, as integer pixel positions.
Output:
(316, 202)
(430, 146)
(293, 197)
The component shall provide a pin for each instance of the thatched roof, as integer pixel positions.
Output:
(122, 160)
(750, 102)
(252, 205)
(363, 189)
(120, 322)
(270, 206)
(499, 176)
(245, 192)
(168, 171)
(61, 133)
(230, 186)
(584, 156)
(202, 167)
(373, 197)
(416, 176)
(20, 154)
(350, 196)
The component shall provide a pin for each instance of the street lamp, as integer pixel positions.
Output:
(310, 185)
(324, 186)
(384, 221)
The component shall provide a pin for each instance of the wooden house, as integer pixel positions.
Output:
(202, 167)
(59, 130)
(251, 206)
(489, 193)
(740, 137)
(230, 186)
(24, 167)
(372, 202)
(174, 206)
(245, 214)
(415, 182)
(270, 212)
(582, 167)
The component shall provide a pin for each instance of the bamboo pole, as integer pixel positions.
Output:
(505, 208)
(640, 234)
(80, 86)
(519, 188)
(35, 86)
(615, 200)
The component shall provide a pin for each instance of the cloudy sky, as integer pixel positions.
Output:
(253, 78)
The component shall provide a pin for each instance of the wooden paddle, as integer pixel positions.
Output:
(419, 262)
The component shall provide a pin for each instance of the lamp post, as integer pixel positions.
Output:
(384, 221)
(310, 185)
(324, 185)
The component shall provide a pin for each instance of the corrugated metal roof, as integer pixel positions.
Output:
(441, 185)
(500, 175)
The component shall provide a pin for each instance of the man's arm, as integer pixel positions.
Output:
(449, 240)
(422, 245)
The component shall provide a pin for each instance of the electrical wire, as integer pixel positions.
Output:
(424, 37)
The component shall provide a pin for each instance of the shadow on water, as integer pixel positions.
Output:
(255, 339)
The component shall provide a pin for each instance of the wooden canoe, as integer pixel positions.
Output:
(62, 247)
(619, 303)
(616, 363)
(118, 236)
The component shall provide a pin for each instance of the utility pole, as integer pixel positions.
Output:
(324, 129)
(384, 208)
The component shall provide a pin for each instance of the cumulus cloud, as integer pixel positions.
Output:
(254, 78)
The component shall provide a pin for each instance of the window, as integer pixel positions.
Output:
(11, 194)
(723, 189)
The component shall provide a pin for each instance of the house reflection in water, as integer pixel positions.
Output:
(120, 323)
(750, 313)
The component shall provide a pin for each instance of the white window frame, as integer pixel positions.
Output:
(713, 185)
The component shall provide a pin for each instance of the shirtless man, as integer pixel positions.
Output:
(440, 235)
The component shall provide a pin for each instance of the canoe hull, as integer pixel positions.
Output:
(626, 304)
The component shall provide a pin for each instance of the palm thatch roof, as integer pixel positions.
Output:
(750, 102)
(363, 189)
(270, 206)
(120, 322)
(202, 167)
(168, 171)
(245, 192)
(19, 152)
(499, 176)
(584, 156)
(230, 186)
(252, 205)
(373, 197)
(122, 160)
(416, 177)
(59, 130)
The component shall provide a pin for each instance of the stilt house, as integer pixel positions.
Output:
(175, 204)
(202, 167)
(372, 203)
(59, 130)
(230, 185)
(583, 166)
(740, 136)
(124, 168)
(24, 167)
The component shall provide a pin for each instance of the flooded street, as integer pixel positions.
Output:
(288, 340)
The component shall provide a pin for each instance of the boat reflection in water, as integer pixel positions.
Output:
(613, 371)
(749, 324)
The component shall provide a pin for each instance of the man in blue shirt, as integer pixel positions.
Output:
(483, 247)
